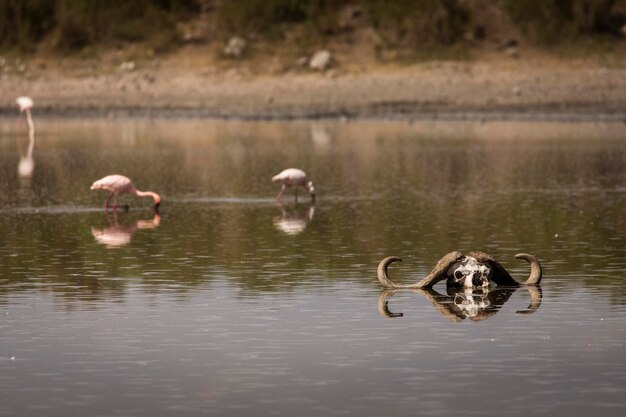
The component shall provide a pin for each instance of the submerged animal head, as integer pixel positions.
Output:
(474, 270)
(469, 273)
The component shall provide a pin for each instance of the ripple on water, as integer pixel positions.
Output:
(51, 210)
(229, 304)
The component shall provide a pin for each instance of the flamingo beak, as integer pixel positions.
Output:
(156, 207)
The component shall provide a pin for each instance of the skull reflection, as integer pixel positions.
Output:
(471, 303)
(459, 304)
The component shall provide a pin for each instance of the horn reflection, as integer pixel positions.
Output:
(459, 304)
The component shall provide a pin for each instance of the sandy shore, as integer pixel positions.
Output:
(503, 88)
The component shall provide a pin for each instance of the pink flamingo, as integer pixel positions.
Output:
(119, 184)
(294, 177)
(26, 104)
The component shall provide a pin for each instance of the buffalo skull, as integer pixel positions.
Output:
(474, 270)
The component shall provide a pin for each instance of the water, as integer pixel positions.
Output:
(229, 304)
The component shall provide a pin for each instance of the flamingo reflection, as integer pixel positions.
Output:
(293, 222)
(466, 303)
(117, 235)
(26, 165)
(321, 137)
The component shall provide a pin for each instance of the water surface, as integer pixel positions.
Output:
(227, 303)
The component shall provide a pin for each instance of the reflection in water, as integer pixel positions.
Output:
(26, 165)
(26, 168)
(119, 235)
(293, 222)
(464, 303)
(218, 313)
(320, 137)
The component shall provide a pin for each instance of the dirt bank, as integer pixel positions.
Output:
(491, 87)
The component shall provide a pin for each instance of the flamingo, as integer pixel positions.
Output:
(294, 177)
(26, 104)
(119, 184)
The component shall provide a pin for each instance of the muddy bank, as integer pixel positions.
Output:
(572, 90)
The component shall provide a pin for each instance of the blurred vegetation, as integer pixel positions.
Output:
(557, 20)
(274, 16)
(409, 24)
(74, 24)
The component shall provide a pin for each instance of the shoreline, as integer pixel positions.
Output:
(410, 112)
(456, 116)
(489, 89)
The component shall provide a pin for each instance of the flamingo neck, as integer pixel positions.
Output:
(29, 119)
(155, 196)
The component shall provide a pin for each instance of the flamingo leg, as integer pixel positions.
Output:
(280, 194)
(115, 205)
(106, 203)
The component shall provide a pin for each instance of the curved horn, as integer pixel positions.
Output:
(437, 274)
(535, 268)
(383, 276)
(500, 275)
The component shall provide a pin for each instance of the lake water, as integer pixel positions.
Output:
(228, 304)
